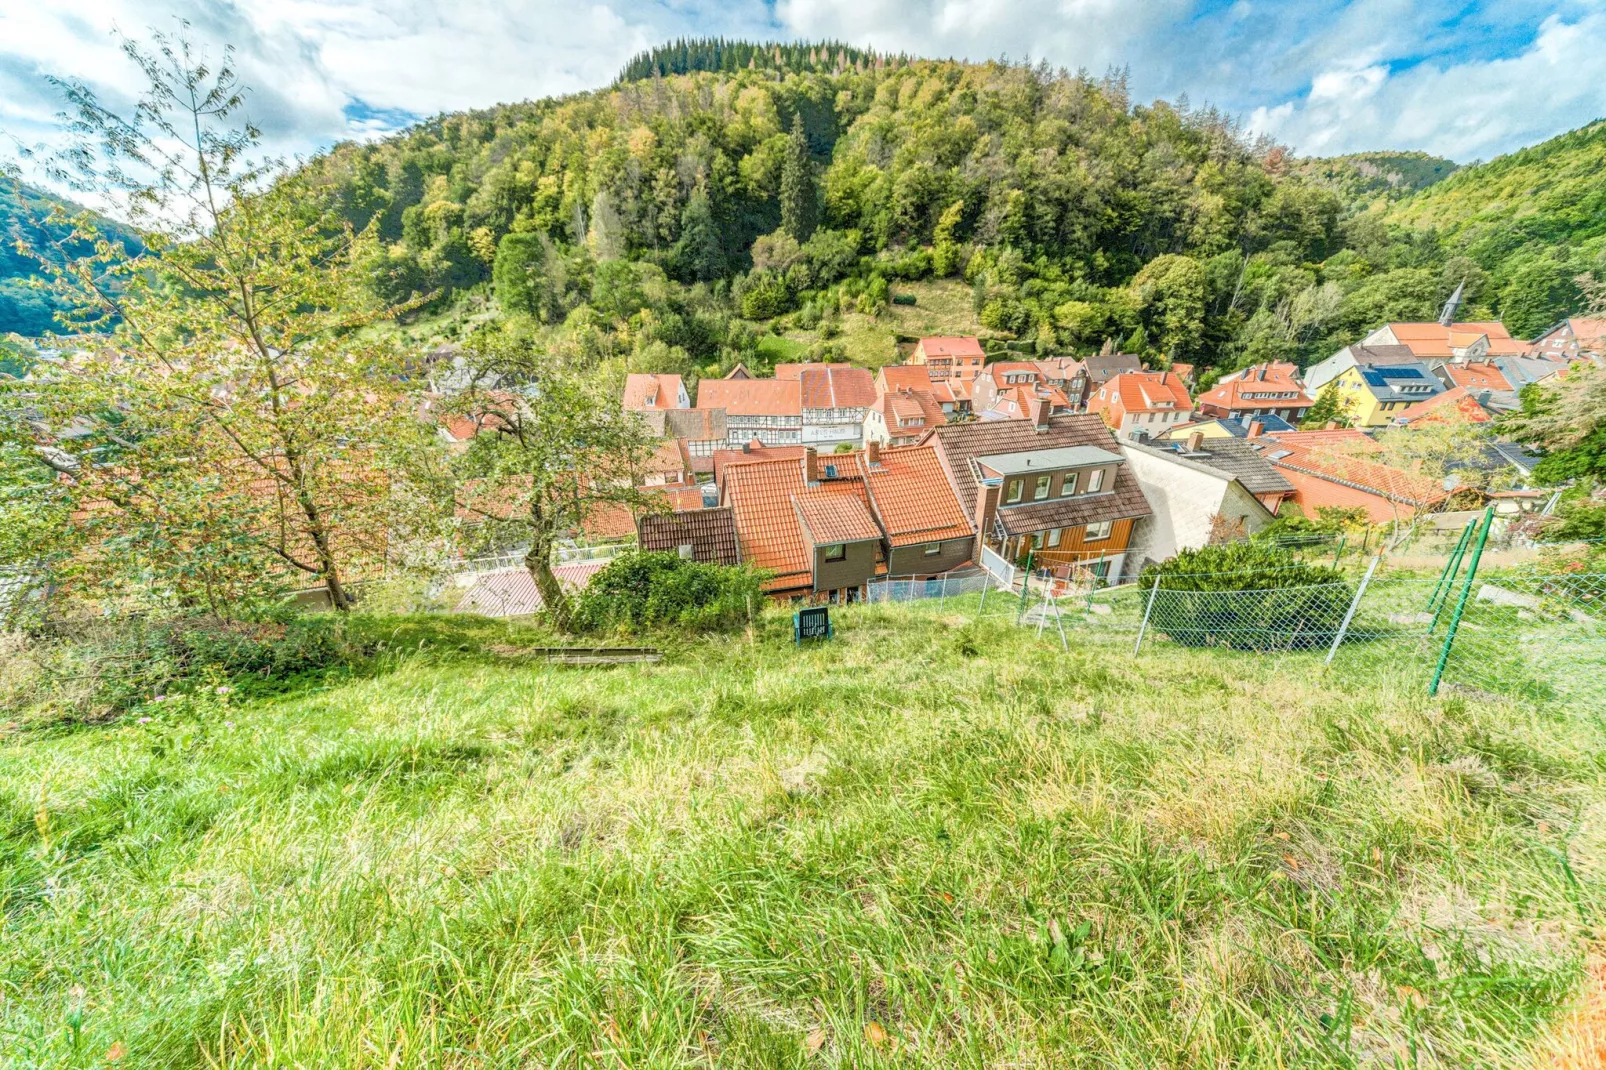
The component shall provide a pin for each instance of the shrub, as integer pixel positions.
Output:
(650, 590)
(1247, 596)
(109, 668)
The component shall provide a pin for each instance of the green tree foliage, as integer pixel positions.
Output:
(1248, 596)
(1329, 408)
(1567, 423)
(1170, 294)
(35, 225)
(718, 54)
(799, 210)
(661, 590)
(518, 273)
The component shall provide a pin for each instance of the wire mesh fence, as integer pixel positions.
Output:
(1523, 632)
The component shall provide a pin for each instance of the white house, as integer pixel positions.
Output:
(1189, 487)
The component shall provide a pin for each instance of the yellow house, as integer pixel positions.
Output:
(1374, 396)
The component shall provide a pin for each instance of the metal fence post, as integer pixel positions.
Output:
(1153, 593)
(1025, 584)
(1448, 572)
(1340, 551)
(942, 598)
(1360, 592)
(1461, 603)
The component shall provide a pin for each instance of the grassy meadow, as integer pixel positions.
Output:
(930, 842)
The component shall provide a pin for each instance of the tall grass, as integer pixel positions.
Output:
(926, 843)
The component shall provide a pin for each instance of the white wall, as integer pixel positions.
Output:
(1184, 500)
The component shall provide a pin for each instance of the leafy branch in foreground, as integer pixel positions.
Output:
(239, 420)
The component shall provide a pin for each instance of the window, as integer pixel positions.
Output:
(1054, 536)
(933, 549)
(838, 551)
(1037, 540)
(1040, 491)
(1095, 481)
(1068, 487)
(1012, 492)
(1097, 532)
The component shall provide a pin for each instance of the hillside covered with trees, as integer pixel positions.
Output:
(806, 182)
(26, 217)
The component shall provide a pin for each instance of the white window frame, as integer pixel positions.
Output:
(1095, 481)
(1041, 487)
(1097, 532)
(836, 551)
(1068, 486)
(933, 549)
(1054, 535)
(1014, 490)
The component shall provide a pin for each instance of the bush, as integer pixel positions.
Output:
(651, 590)
(1247, 596)
(110, 668)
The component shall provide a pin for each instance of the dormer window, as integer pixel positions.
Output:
(1095, 481)
(1068, 487)
(1012, 493)
(1040, 491)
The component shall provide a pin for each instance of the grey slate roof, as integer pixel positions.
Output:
(1101, 369)
(1014, 464)
(960, 444)
(1231, 457)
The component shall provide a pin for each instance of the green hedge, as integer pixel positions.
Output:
(654, 590)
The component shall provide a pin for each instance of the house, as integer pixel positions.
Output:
(926, 531)
(1446, 341)
(722, 460)
(1185, 372)
(1195, 485)
(835, 399)
(1005, 390)
(1572, 339)
(1457, 403)
(1102, 368)
(808, 522)
(1050, 485)
(669, 466)
(1373, 396)
(1527, 370)
(1318, 375)
(1271, 389)
(1482, 380)
(1144, 403)
(702, 431)
(770, 410)
(950, 357)
(1335, 469)
(908, 404)
(1067, 375)
(704, 535)
(644, 393)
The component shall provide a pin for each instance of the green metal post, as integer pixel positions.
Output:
(1340, 551)
(1025, 583)
(1446, 582)
(1461, 603)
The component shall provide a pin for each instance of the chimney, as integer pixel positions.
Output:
(1039, 413)
(811, 465)
(872, 452)
(1196, 441)
(1332, 425)
(1256, 429)
(747, 447)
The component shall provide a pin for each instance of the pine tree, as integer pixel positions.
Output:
(698, 255)
(799, 212)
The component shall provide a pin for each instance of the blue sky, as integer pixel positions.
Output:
(1465, 80)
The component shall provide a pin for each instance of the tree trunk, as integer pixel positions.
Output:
(539, 562)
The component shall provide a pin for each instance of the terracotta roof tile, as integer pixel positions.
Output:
(763, 495)
(836, 386)
(1476, 375)
(833, 517)
(951, 346)
(1340, 456)
(912, 496)
(751, 397)
(1454, 401)
(711, 533)
(644, 391)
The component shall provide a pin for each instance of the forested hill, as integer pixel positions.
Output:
(717, 54)
(1363, 177)
(25, 215)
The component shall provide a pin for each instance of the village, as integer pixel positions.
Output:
(832, 477)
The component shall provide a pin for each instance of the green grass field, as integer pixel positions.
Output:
(930, 842)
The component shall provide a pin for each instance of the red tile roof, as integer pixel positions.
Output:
(836, 386)
(764, 497)
(903, 377)
(1247, 389)
(1434, 339)
(1132, 392)
(1476, 375)
(832, 518)
(914, 405)
(643, 391)
(1445, 406)
(911, 495)
(751, 397)
(753, 451)
(1339, 456)
(951, 346)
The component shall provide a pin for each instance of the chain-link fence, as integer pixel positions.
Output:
(1522, 631)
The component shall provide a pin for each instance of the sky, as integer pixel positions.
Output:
(1467, 80)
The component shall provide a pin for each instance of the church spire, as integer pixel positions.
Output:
(1452, 306)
